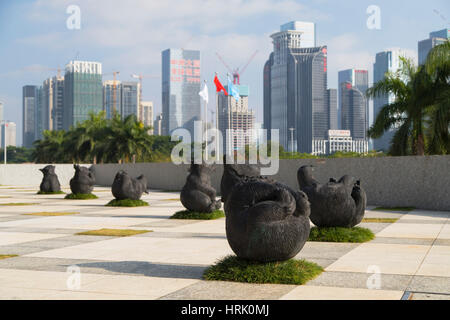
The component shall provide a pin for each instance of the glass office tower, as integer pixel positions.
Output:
(83, 91)
(180, 88)
(29, 106)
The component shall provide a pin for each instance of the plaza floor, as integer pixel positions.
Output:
(408, 259)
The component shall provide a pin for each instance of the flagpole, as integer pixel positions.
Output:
(217, 126)
(206, 125)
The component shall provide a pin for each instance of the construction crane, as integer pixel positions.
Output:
(140, 77)
(238, 71)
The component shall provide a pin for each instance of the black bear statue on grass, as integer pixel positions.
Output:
(83, 180)
(197, 194)
(50, 182)
(266, 220)
(336, 203)
(232, 175)
(126, 187)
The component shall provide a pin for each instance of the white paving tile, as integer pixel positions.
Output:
(436, 263)
(336, 293)
(11, 238)
(411, 230)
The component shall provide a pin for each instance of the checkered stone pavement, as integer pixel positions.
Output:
(408, 259)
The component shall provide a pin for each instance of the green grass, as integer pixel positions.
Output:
(81, 196)
(127, 203)
(112, 232)
(232, 268)
(6, 256)
(50, 214)
(394, 208)
(380, 220)
(187, 214)
(57, 192)
(18, 204)
(338, 234)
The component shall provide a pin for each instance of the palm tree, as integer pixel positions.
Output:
(438, 66)
(417, 92)
(50, 148)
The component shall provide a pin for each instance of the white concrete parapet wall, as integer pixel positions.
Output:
(28, 174)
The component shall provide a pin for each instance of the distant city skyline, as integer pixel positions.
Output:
(36, 41)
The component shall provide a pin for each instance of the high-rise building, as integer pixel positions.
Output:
(353, 110)
(50, 106)
(39, 116)
(147, 114)
(295, 87)
(83, 92)
(435, 38)
(11, 130)
(385, 61)
(180, 88)
(130, 99)
(360, 80)
(112, 97)
(57, 113)
(234, 115)
(157, 125)
(29, 105)
(332, 109)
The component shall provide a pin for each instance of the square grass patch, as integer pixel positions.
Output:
(291, 271)
(127, 203)
(405, 209)
(338, 234)
(81, 196)
(6, 256)
(50, 214)
(112, 232)
(187, 214)
(379, 220)
(56, 192)
(18, 204)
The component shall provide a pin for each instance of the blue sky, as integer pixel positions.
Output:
(128, 36)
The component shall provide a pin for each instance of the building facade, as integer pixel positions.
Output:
(235, 120)
(435, 38)
(353, 111)
(130, 99)
(11, 131)
(180, 88)
(29, 105)
(332, 109)
(157, 125)
(83, 91)
(147, 114)
(339, 141)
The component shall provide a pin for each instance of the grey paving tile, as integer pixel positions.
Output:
(442, 242)
(181, 235)
(323, 262)
(211, 290)
(428, 296)
(375, 227)
(327, 250)
(359, 280)
(430, 284)
(19, 250)
(402, 241)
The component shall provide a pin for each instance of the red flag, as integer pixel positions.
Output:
(219, 86)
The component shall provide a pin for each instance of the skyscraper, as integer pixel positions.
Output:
(295, 87)
(235, 116)
(332, 109)
(180, 88)
(147, 114)
(435, 38)
(29, 105)
(11, 129)
(82, 91)
(360, 80)
(130, 99)
(112, 98)
(353, 111)
(386, 61)
(58, 103)
(157, 125)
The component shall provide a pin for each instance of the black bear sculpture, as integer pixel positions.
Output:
(266, 220)
(50, 182)
(233, 174)
(126, 187)
(336, 203)
(83, 180)
(198, 194)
